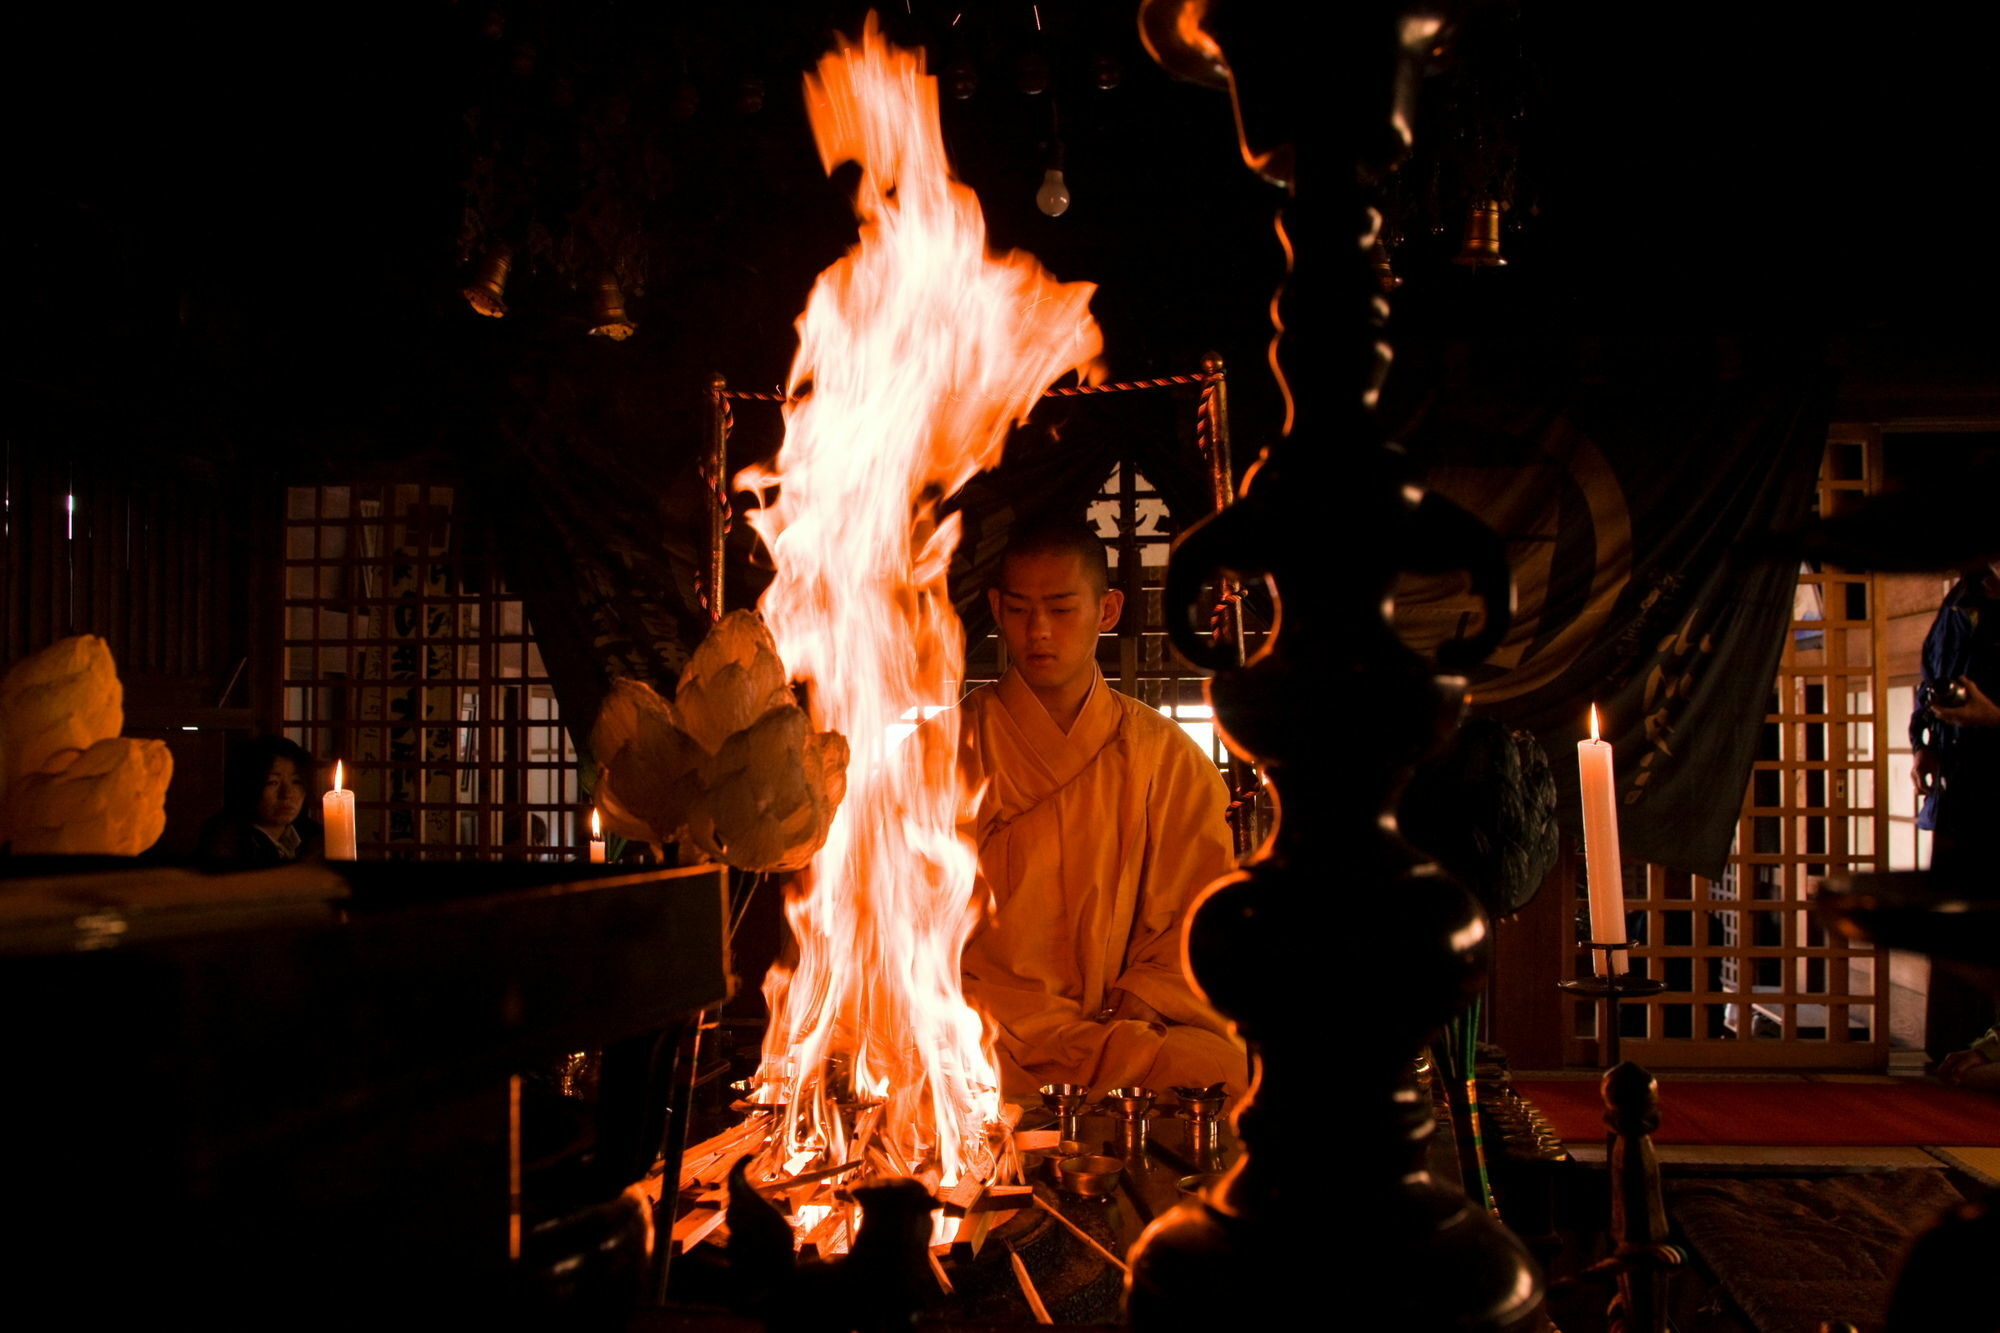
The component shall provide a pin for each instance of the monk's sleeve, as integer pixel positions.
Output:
(1188, 846)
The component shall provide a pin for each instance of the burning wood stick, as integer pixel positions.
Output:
(864, 1133)
(1027, 1285)
(1000, 1198)
(963, 1197)
(721, 1145)
(803, 1178)
(694, 1228)
(714, 1177)
(972, 1231)
(827, 1237)
(937, 1271)
(1081, 1234)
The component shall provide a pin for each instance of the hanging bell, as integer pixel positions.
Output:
(609, 319)
(483, 293)
(961, 79)
(1386, 278)
(1482, 236)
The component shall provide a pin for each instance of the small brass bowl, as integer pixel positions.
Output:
(1197, 1187)
(1089, 1177)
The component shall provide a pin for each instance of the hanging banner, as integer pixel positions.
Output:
(1637, 504)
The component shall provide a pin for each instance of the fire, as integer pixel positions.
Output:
(917, 351)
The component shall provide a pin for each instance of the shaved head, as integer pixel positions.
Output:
(1075, 537)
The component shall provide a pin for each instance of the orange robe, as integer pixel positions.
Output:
(1093, 844)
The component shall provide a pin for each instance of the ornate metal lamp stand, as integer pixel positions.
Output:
(1330, 1206)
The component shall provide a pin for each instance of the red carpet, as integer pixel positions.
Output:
(1802, 1114)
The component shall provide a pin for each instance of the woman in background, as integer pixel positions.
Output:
(262, 821)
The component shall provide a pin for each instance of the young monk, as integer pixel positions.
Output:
(1099, 823)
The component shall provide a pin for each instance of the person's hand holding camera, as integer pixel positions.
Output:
(1977, 711)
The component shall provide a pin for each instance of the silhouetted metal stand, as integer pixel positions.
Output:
(1610, 988)
(1335, 902)
(1641, 1261)
(1632, 1112)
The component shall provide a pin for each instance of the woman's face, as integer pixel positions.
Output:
(284, 795)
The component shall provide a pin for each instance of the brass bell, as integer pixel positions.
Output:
(483, 293)
(1387, 280)
(1482, 236)
(610, 320)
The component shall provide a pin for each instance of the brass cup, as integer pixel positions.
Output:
(1197, 1187)
(1089, 1177)
(1130, 1103)
(1067, 1100)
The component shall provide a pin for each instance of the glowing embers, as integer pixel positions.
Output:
(917, 351)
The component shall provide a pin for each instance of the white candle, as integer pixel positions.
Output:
(596, 838)
(1600, 849)
(337, 806)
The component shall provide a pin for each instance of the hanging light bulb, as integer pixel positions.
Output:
(1055, 193)
(610, 320)
(483, 293)
(1053, 197)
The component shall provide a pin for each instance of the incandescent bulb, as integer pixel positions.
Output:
(1053, 197)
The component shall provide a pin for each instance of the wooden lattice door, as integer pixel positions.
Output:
(406, 658)
(1753, 977)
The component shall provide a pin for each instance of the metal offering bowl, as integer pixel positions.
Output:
(1201, 1103)
(1064, 1096)
(1130, 1103)
(1196, 1187)
(1089, 1177)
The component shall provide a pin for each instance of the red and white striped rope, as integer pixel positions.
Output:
(1061, 391)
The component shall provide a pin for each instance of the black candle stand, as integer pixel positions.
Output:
(1610, 989)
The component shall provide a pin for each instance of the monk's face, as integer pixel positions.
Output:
(1050, 614)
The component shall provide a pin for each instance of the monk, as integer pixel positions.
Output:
(1099, 822)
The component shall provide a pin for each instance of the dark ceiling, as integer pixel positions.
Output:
(243, 232)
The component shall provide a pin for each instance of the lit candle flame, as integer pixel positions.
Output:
(1593, 722)
(596, 827)
(336, 775)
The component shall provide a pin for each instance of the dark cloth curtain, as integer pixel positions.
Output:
(1637, 488)
(594, 496)
(601, 526)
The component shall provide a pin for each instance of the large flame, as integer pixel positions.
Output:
(917, 351)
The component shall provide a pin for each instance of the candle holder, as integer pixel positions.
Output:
(1609, 989)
